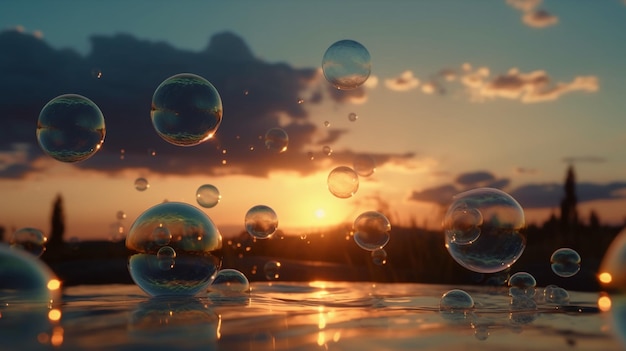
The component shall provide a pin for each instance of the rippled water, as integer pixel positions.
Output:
(304, 316)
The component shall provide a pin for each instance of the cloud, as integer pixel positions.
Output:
(539, 19)
(404, 82)
(585, 159)
(473, 178)
(441, 195)
(550, 195)
(533, 87)
(524, 5)
(256, 96)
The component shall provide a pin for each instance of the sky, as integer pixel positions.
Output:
(503, 93)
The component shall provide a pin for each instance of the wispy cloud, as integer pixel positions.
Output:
(404, 82)
(531, 15)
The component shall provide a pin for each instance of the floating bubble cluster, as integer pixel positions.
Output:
(346, 64)
(229, 281)
(70, 128)
(272, 270)
(565, 262)
(371, 230)
(501, 239)
(522, 284)
(30, 240)
(343, 182)
(276, 140)
(141, 184)
(178, 250)
(261, 221)
(186, 110)
(208, 196)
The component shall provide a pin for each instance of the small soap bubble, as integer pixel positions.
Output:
(70, 128)
(192, 236)
(141, 184)
(565, 262)
(371, 230)
(522, 284)
(464, 225)
(502, 238)
(186, 110)
(272, 270)
(276, 140)
(30, 240)
(346, 64)
(555, 295)
(327, 150)
(96, 72)
(481, 332)
(261, 221)
(343, 182)
(352, 117)
(152, 152)
(326, 124)
(208, 196)
(523, 310)
(230, 281)
(310, 156)
(121, 215)
(379, 257)
(364, 165)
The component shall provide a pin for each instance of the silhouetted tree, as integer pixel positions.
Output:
(57, 223)
(2, 230)
(594, 220)
(569, 214)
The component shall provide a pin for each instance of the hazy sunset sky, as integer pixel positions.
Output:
(462, 94)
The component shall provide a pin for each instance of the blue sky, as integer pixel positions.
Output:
(515, 89)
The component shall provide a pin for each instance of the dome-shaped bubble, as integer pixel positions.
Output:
(276, 140)
(186, 110)
(30, 240)
(371, 230)
(70, 128)
(565, 262)
(553, 294)
(261, 221)
(26, 279)
(195, 255)
(501, 240)
(346, 64)
(522, 284)
(230, 281)
(343, 182)
(456, 299)
(208, 196)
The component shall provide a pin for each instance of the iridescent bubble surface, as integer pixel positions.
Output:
(502, 238)
(455, 304)
(371, 230)
(208, 196)
(343, 182)
(364, 165)
(70, 128)
(276, 140)
(522, 284)
(565, 262)
(346, 64)
(261, 221)
(272, 270)
(195, 255)
(186, 110)
(463, 226)
(31, 240)
(229, 281)
(141, 184)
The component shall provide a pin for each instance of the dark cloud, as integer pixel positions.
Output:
(585, 159)
(473, 178)
(540, 19)
(256, 96)
(550, 195)
(441, 195)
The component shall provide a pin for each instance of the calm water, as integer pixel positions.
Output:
(304, 316)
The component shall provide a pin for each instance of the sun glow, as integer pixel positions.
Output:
(320, 213)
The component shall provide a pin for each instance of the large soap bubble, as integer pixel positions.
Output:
(185, 263)
(346, 64)
(186, 110)
(261, 221)
(501, 238)
(29, 239)
(371, 230)
(70, 128)
(343, 182)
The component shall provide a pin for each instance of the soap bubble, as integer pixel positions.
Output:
(523, 310)
(343, 182)
(121, 215)
(195, 240)
(161, 236)
(464, 225)
(276, 140)
(30, 240)
(364, 165)
(522, 284)
(26, 279)
(553, 294)
(327, 150)
(456, 299)
(379, 257)
(346, 64)
(141, 184)
(326, 124)
(371, 230)
(272, 270)
(501, 240)
(261, 221)
(208, 196)
(70, 128)
(229, 281)
(352, 117)
(565, 262)
(186, 110)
